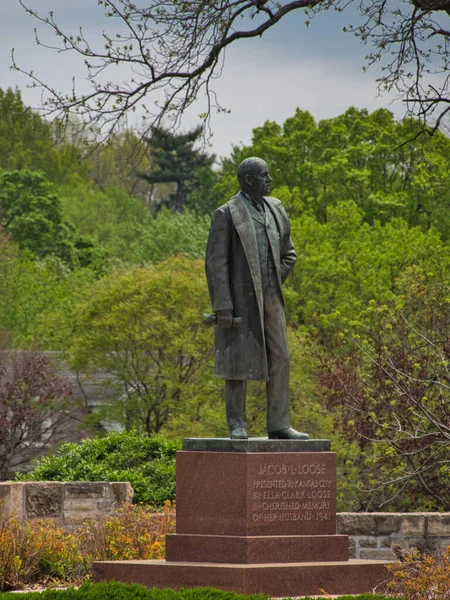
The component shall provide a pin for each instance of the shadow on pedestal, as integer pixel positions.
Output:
(254, 516)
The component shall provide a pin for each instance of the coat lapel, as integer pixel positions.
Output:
(246, 231)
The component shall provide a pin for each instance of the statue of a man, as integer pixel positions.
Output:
(248, 256)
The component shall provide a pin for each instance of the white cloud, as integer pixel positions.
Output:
(257, 89)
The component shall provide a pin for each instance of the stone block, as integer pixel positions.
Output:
(44, 499)
(356, 523)
(351, 548)
(87, 489)
(104, 507)
(387, 523)
(12, 499)
(412, 524)
(253, 445)
(438, 524)
(82, 504)
(261, 493)
(376, 554)
(274, 580)
(387, 542)
(423, 544)
(368, 542)
(123, 492)
(444, 545)
(256, 549)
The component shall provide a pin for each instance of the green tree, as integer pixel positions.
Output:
(27, 141)
(175, 160)
(115, 164)
(31, 213)
(387, 386)
(170, 233)
(127, 231)
(345, 263)
(142, 327)
(36, 298)
(356, 156)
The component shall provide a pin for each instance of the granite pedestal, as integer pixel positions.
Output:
(254, 516)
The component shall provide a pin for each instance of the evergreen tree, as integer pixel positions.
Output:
(176, 161)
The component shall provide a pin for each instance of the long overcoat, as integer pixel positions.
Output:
(234, 281)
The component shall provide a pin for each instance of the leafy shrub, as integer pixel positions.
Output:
(36, 552)
(113, 590)
(137, 532)
(420, 577)
(148, 463)
(40, 552)
(121, 591)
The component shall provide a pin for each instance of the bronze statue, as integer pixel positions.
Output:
(248, 257)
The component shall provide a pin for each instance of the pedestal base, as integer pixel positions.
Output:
(276, 580)
(256, 549)
(254, 516)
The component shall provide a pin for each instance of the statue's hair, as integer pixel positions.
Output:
(246, 167)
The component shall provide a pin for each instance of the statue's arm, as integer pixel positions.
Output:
(288, 259)
(217, 260)
(289, 256)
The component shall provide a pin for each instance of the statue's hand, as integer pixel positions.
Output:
(225, 318)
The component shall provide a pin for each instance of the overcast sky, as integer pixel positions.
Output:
(318, 69)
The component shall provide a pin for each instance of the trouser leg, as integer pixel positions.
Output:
(277, 388)
(235, 393)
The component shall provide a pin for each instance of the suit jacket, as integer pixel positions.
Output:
(234, 282)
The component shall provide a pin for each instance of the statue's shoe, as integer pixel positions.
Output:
(239, 434)
(288, 434)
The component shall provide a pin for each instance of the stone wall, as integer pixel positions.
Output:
(372, 534)
(69, 503)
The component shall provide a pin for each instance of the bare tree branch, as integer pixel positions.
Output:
(172, 49)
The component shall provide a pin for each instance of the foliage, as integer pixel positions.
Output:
(36, 551)
(114, 590)
(114, 165)
(388, 386)
(115, 220)
(170, 234)
(36, 298)
(148, 463)
(420, 577)
(28, 142)
(175, 160)
(142, 328)
(122, 591)
(35, 407)
(125, 228)
(32, 215)
(355, 156)
(135, 533)
(345, 263)
(41, 552)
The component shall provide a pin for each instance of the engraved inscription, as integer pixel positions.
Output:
(293, 492)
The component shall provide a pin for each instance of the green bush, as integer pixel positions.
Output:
(148, 463)
(120, 591)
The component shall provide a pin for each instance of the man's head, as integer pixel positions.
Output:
(254, 178)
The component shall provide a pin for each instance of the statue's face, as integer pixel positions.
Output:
(259, 179)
